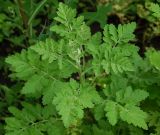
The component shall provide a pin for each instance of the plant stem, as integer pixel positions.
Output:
(22, 13)
(82, 66)
(36, 11)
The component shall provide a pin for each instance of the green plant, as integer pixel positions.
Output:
(85, 84)
(99, 16)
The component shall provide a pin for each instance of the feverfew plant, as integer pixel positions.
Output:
(87, 84)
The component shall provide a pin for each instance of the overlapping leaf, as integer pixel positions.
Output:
(125, 108)
(121, 35)
(33, 120)
(116, 60)
(24, 64)
(71, 101)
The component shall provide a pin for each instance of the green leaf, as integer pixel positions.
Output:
(23, 64)
(88, 96)
(32, 119)
(83, 33)
(112, 112)
(125, 107)
(48, 111)
(51, 90)
(51, 50)
(155, 8)
(61, 30)
(107, 36)
(65, 14)
(155, 58)
(116, 61)
(68, 106)
(94, 44)
(125, 32)
(154, 121)
(99, 16)
(33, 110)
(34, 84)
(99, 112)
(71, 101)
(55, 128)
(134, 115)
(48, 50)
(113, 32)
(131, 97)
(122, 35)
(13, 124)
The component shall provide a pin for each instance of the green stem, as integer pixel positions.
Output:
(36, 11)
(82, 66)
(81, 75)
(30, 26)
(22, 13)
